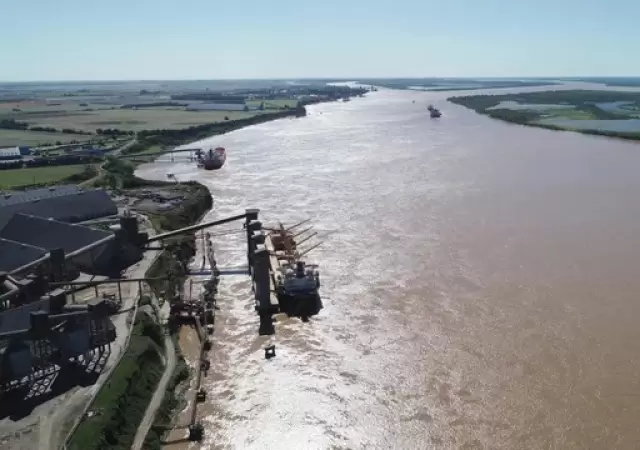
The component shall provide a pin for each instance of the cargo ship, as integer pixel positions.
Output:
(297, 284)
(297, 290)
(434, 112)
(212, 159)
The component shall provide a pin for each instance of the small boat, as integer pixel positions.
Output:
(434, 112)
(212, 159)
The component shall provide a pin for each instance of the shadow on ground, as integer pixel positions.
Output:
(20, 401)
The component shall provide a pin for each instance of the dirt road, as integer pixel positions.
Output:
(158, 395)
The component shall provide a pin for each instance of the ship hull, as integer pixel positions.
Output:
(212, 165)
(213, 160)
(303, 305)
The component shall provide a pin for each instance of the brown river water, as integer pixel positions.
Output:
(479, 279)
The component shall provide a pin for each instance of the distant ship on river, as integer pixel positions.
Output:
(434, 112)
(212, 159)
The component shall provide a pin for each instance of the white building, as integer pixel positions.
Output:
(10, 153)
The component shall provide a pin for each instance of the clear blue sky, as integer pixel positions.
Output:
(212, 39)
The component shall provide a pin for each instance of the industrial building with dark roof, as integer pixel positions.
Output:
(65, 203)
(50, 234)
(16, 254)
(107, 255)
(12, 197)
(40, 221)
(46, 235)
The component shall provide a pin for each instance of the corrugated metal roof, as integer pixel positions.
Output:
(15, 254)
(74, 206)
(17, 319)
(49, 234)
(13, 197)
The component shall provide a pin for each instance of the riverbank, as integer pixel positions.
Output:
(613, 114)
(153, 141)
(120, 405)
(174, 260)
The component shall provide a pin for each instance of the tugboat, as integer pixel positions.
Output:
(434, 112)
(212, 159)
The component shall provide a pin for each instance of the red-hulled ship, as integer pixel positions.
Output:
(212, 159)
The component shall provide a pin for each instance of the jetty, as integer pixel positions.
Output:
(281, 283)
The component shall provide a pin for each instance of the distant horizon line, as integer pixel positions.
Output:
(516, 77)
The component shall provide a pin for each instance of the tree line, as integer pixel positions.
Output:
(13, 124)
(173, 137)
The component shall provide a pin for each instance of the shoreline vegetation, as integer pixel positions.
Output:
(454, 84)
(161, 139)
(583, 111)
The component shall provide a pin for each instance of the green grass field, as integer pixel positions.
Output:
(90, 117)
(121, 403)
(15, 178)
(569, 113)
(136, 119)
(11, 138)
(23, 109)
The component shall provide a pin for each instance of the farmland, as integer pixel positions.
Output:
(9, 138)
(154, 113)
(133, 119)
(90, 115)
(16, 178)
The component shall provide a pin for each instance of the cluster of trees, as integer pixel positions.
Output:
(62, 160)
(13, 124)
(88, 171)
(114, 132)
(65, 160)
(211, 97)
(17, 164)
(73, 131)
(43, 129)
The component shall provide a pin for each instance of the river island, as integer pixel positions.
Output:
(596, 112)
